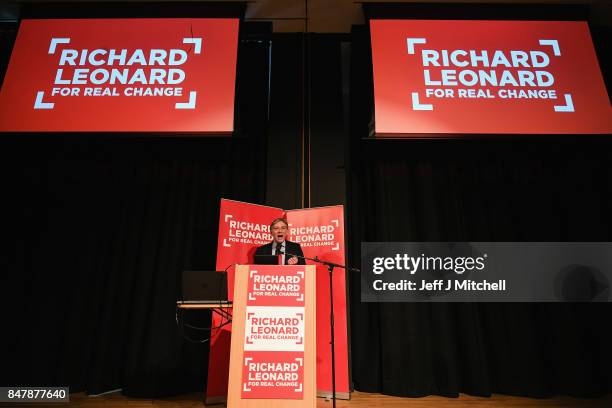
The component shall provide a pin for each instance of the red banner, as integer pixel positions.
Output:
(526, 77)
(320, 232)
(242, 228)
(121, 75)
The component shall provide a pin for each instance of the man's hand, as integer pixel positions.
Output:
(292, 261)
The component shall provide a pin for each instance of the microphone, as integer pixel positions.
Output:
(288, 255)
(283, 252)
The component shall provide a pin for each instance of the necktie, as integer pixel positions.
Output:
(279, 251)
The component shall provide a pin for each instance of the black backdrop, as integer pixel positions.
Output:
(474, 190)
(98, 228)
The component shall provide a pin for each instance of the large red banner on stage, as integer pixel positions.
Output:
(242, 228)
(320, 232)
(121, 75)
(452, 77)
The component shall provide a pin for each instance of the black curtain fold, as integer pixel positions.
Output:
(545, 189)
(102, 231)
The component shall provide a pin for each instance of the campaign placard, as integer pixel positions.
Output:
(281, 371)
(274, 328)
(487, 77)
(121, 75)
(272, 287)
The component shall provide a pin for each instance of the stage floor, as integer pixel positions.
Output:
(359, 400)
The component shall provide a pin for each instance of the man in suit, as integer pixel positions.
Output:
(279, 228)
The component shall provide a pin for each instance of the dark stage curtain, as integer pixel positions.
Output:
(99, 232)
(98, 229)
(492, 188)
(529, 190)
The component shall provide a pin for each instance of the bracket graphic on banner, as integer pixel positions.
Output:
(441, 77)
(320, 232)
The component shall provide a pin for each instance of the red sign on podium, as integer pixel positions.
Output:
(275, 288)
(267, 373)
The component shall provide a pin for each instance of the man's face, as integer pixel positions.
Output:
(279, 232)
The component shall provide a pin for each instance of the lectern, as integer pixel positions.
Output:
(273, 347)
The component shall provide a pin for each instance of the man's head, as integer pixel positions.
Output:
(279, 229)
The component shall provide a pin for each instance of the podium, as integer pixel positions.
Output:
(273, 346)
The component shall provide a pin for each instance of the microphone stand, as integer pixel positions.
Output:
(330, 268)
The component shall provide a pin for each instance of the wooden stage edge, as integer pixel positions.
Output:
(359, 400)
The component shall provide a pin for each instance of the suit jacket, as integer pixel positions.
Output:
(292, 248)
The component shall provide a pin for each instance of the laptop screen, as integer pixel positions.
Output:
(266, 259)
(204, 286)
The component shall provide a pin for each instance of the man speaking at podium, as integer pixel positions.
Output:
(279, 228)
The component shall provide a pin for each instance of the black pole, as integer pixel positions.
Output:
(331, 322)
(330, 267)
